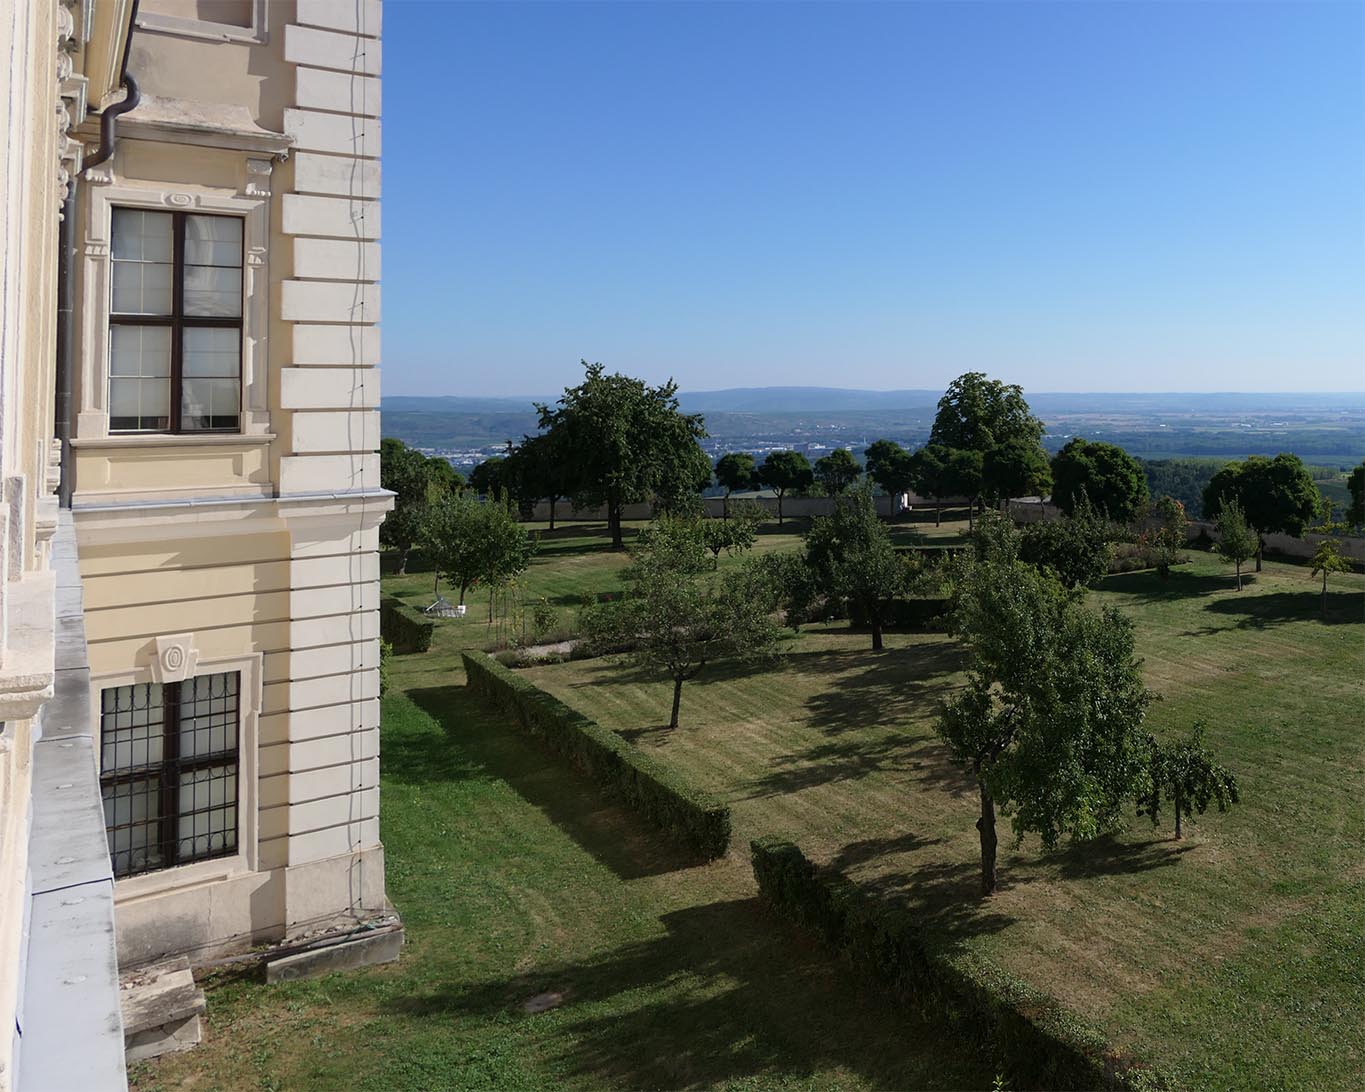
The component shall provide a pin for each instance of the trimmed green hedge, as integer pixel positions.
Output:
(1037, 1042)
(408, 630)
(697, 819)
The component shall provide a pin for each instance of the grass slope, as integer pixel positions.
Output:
(514, 878)
(1234, 958)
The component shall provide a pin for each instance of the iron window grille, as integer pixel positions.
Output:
(168, 771)
(175, 322)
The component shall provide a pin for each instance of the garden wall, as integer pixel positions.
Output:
(697, 819)
(1037, 1042)
(792, 507)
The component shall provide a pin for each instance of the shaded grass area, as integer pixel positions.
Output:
(516, 880)
(1233, 959)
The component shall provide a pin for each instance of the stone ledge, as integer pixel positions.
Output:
(381, 945)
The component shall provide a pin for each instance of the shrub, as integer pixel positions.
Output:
(1028, 1034)
(408, 630)
(385, 655)
(696, 818)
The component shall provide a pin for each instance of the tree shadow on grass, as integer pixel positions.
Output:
(1146, 586)
(880, 693)
(725, 993)
(1108, 856)
(619, 839)
(1277, 608)
(943, 898)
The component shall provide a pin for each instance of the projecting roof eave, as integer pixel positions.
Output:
(206, 124)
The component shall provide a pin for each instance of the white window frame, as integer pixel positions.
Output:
(92, 422)
(207, 29)
(247, 858)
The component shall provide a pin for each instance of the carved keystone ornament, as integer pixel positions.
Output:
(174, 658)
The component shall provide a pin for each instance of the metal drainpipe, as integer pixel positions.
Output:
(66, 276)
(111, 114)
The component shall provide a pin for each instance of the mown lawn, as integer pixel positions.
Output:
(1233, 959)
(515, 879)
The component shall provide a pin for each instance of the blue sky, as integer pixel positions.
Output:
(1072, 196)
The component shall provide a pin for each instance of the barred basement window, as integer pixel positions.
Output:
(175, 322)
(168, 771)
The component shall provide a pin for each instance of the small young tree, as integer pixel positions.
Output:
(734, 535)
(793, 585)
(1237, 539)
(837, 471)
(677, 617)
(735, 471)
(1016, 468)
(1050, 720)
(416, 482)
(1327, 559)
(1167, 539)
(852, 556)
(470, 541)
(785, 472)
(1190, 778)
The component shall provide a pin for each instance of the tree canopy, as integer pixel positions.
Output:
(736, 471)
(1187, 773)
(977, 414)
(539, 469)
(838, 471)
(785, 472)
(677, 617)
(486, 479)
(1111, 478)
(416, 481)
(1076, 548)
(1238, 540)
(850, 552)
(1016, 468)
(626, 441)
(1050, 720)
(471, 541)
(890, 466)
(1355, 485)
(1277, 495)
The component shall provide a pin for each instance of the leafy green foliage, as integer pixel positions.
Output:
(1191, 779)
(1110, 477)
(1327, 559)
(1164, 543)
(978, 414)
(785, 472)
(385, 669)
(793, 585)
(486, 479)
(538, 468)
(675, 616)
(1183, 479)
(1050, 720)
(1277, 495)
(838, 471)
(1077, 548)
(1238, 541)
(1355, 485)
(853, 559)
(416, 481)
(475, 542)
(736, 535)
(890, 466)
(736, 471)
(1016, 468)
(663, 797)
(626, 441)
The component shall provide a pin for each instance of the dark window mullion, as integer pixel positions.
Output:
(170, 776)
(177, 315)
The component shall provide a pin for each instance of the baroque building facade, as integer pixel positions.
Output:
(191, 500)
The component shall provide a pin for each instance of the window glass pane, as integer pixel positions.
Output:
(140, 350)
(142, 288)
(207, 826)
(132, 723)
(213, 240)
(208, 715)
(132, 813)
(208, 404)
(213, 352)
(142, 236)
(139, 403)
(213, 291)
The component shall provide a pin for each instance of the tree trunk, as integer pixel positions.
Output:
(403, 561)
(1260, 549)
(1238, 565)
(938, 512)
(986, 825)
(552, 512)
(876, 636)
(1179, 831)
(614, 523)
(1324, 593)
(971, 513)
(725, 506)
(677, 702)
(779, 509)
(463, 588)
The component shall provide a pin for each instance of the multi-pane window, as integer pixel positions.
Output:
(168, 771)
(175, 322)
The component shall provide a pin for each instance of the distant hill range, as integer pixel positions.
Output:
(1327, 426)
